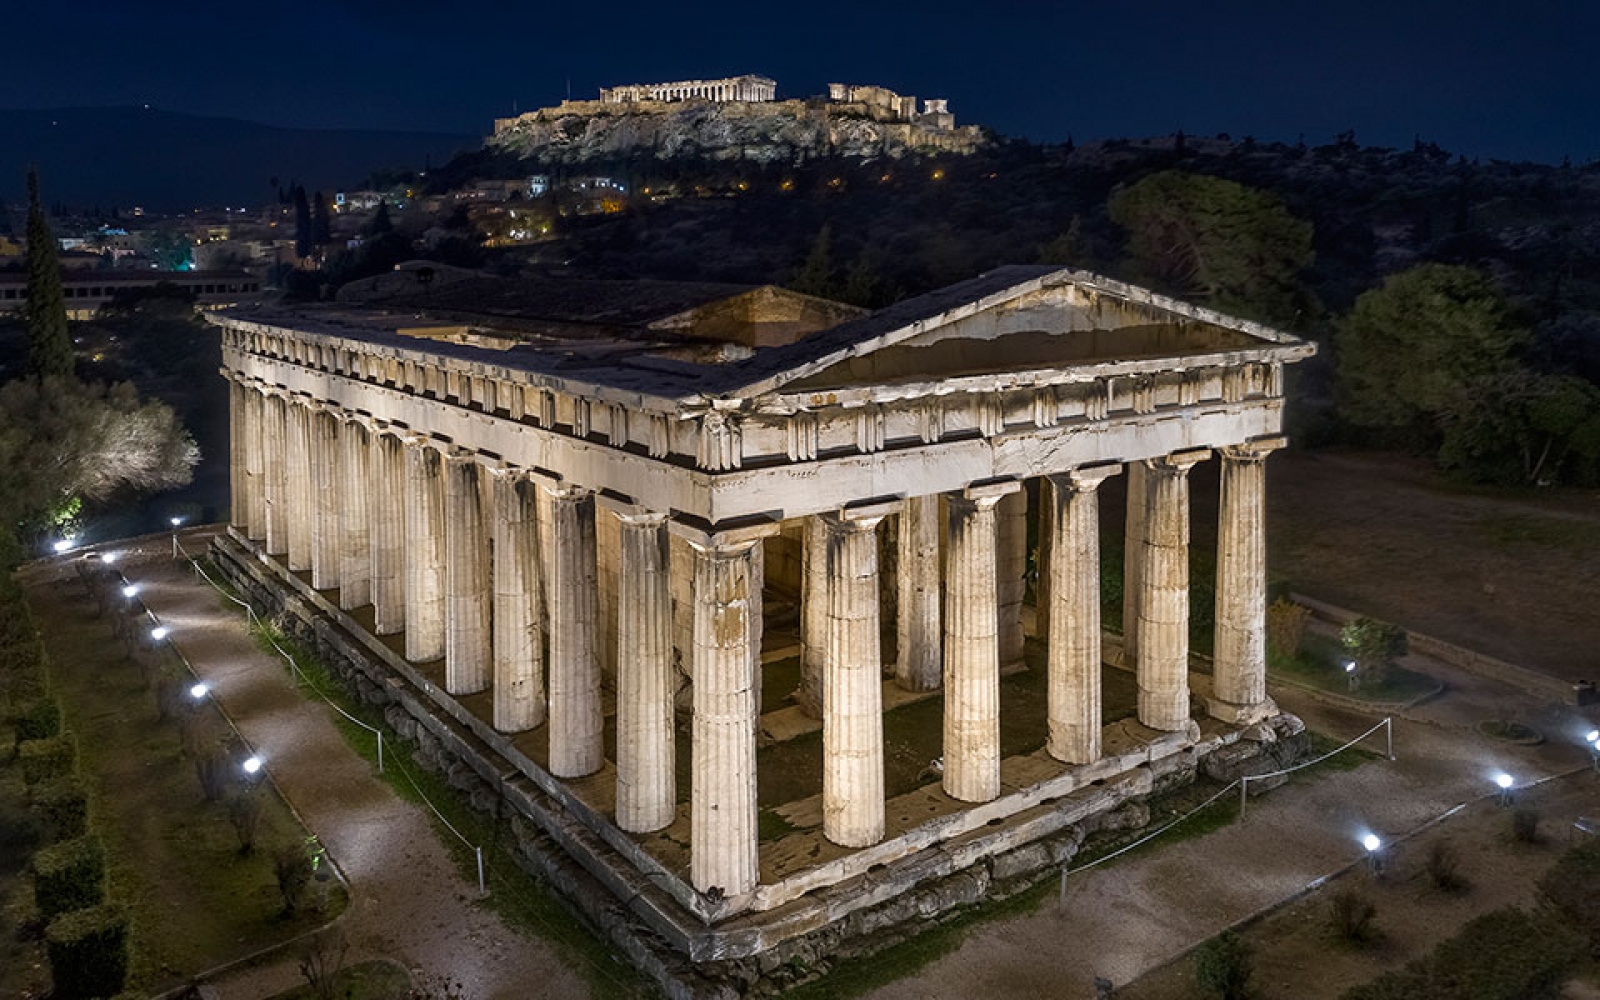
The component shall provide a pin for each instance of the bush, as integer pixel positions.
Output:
(69, 876)
(1374, 646)
(62, 805)
(1504, 955)
(1444, 866)
(292, 868)
(37, 720)
(1351, 916)
(244, 814)
(213, 767)
(1572, 886)
(1525, 824)
(43, 760)
(88, 951)
(1222, 967)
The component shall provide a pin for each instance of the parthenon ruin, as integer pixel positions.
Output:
(733, 88)
(572, 529)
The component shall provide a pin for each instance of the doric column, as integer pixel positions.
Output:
(852, 715)
(918, 667)
(1132, 559)
(646, 788)
(727, 705)
(467, 660)
(1071, 517)
(518, 616)
(1239, 664)
(255, 471)
(813, 617)
(297, 461)
(576, 737)
(326, 508)
(238, 504)
(424, 551)
(275, 491)
(972, 647)
(1011, 572)
(355, 523)
(386, 505)
(1163, 671)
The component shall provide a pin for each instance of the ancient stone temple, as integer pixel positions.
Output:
(733, 597)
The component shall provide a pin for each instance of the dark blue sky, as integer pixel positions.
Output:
(1511, 80)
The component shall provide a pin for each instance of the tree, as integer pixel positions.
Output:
(321, 228)
(302, 224)
(1068, 248)
(1373, 646)
(815, 276)
(380, 223)
(49, 343)
(1222, 967)
(1232, 247)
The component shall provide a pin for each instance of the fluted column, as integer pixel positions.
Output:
(1071, 512)
(518, 616)
(852, 716)
(424, 551)
(325, 505)
(1011, 573)
(576, 737)
(1239, 664)
(727, 704)
(297, 461)
(646, 788)
(1132, 564)
(972, 648)
(355, 525)
(255, 473)
(918, 667)
(386, 506)
(238, 505)
(1163, 672)
(275, 486)
(813, 617)
(467, 659)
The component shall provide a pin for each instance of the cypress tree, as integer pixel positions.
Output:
(302, 223)
(321, 229)
(49, 344)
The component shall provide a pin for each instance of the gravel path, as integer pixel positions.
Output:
(408, 903)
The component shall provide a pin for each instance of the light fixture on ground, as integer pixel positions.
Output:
(159, 632)
(1350, 672)
(1592, 737)
(174, 521)
(62, 544)
(252, 764)
(198, 691)
(1504, 782)
(109, 557)
(1374, 848)
(130, 590)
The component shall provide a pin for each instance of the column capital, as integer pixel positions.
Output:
(732, 536)
(1085, 477)
(862, 514)
(1255, 450)
(1178, 461)
(640, 517)
(987, 489)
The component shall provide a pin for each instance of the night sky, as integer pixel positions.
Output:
(1508, 80)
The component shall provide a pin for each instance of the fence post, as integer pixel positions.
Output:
(482, 891)
(380, 752)
(1388, 734)
(1244, 795)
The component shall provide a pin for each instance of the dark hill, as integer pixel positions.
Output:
(168, 162)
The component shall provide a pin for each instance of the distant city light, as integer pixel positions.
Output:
(158, 633)
(198, 691)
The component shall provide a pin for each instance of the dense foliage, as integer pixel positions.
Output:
(1508, 954)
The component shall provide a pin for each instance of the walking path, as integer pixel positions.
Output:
(407, 901)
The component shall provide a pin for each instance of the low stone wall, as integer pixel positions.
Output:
(1531, 681)
(798, 941)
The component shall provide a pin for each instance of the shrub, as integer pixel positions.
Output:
(88, 951)
(1525, 824)
(1351, 915)
(20, 835)
(37, 720)
(213, 768)
(1509, 954)
(171, 697)
(62, 805)
(1286, 627)
(244, 814)
(1572, 886)
(69, 876)
(1444, 866)
(321, 958)
(49, 758)
(292, 868)
(1222, 967)
(1374, 646)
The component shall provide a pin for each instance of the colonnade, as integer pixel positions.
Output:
(494, 569)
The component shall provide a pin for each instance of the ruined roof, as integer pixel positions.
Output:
(614, 305)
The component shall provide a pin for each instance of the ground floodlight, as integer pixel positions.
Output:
(62, 544)
(158, 633)
(1504, 780)
(174, 521)
(198, 691)
(129, 590)
(1593, 736)
(1371, 842)
(108, 557)
(1350, 667)
(252, 764)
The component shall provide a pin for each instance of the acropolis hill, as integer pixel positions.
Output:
(737, 118)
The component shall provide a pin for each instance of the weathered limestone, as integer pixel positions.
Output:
(386, 506)
(1011, 573)
(576, 736)
(646, 787)
(275, 492)
(467, 660)
(255, 476)
(424, 552)
(355, 524)
(917, 622)
(518, 613)
(727, 705)
(1239, 667)
(813, 618)
(1133, 564)
(238, 504)
(297, 465)
(1163, 643)
(972, 648)
(1071, 516)
(852, 716)
(325, 527)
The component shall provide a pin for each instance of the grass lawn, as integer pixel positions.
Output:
(173, 857)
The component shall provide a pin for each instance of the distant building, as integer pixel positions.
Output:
(538, 184)
(88, 290)
(733, 88)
